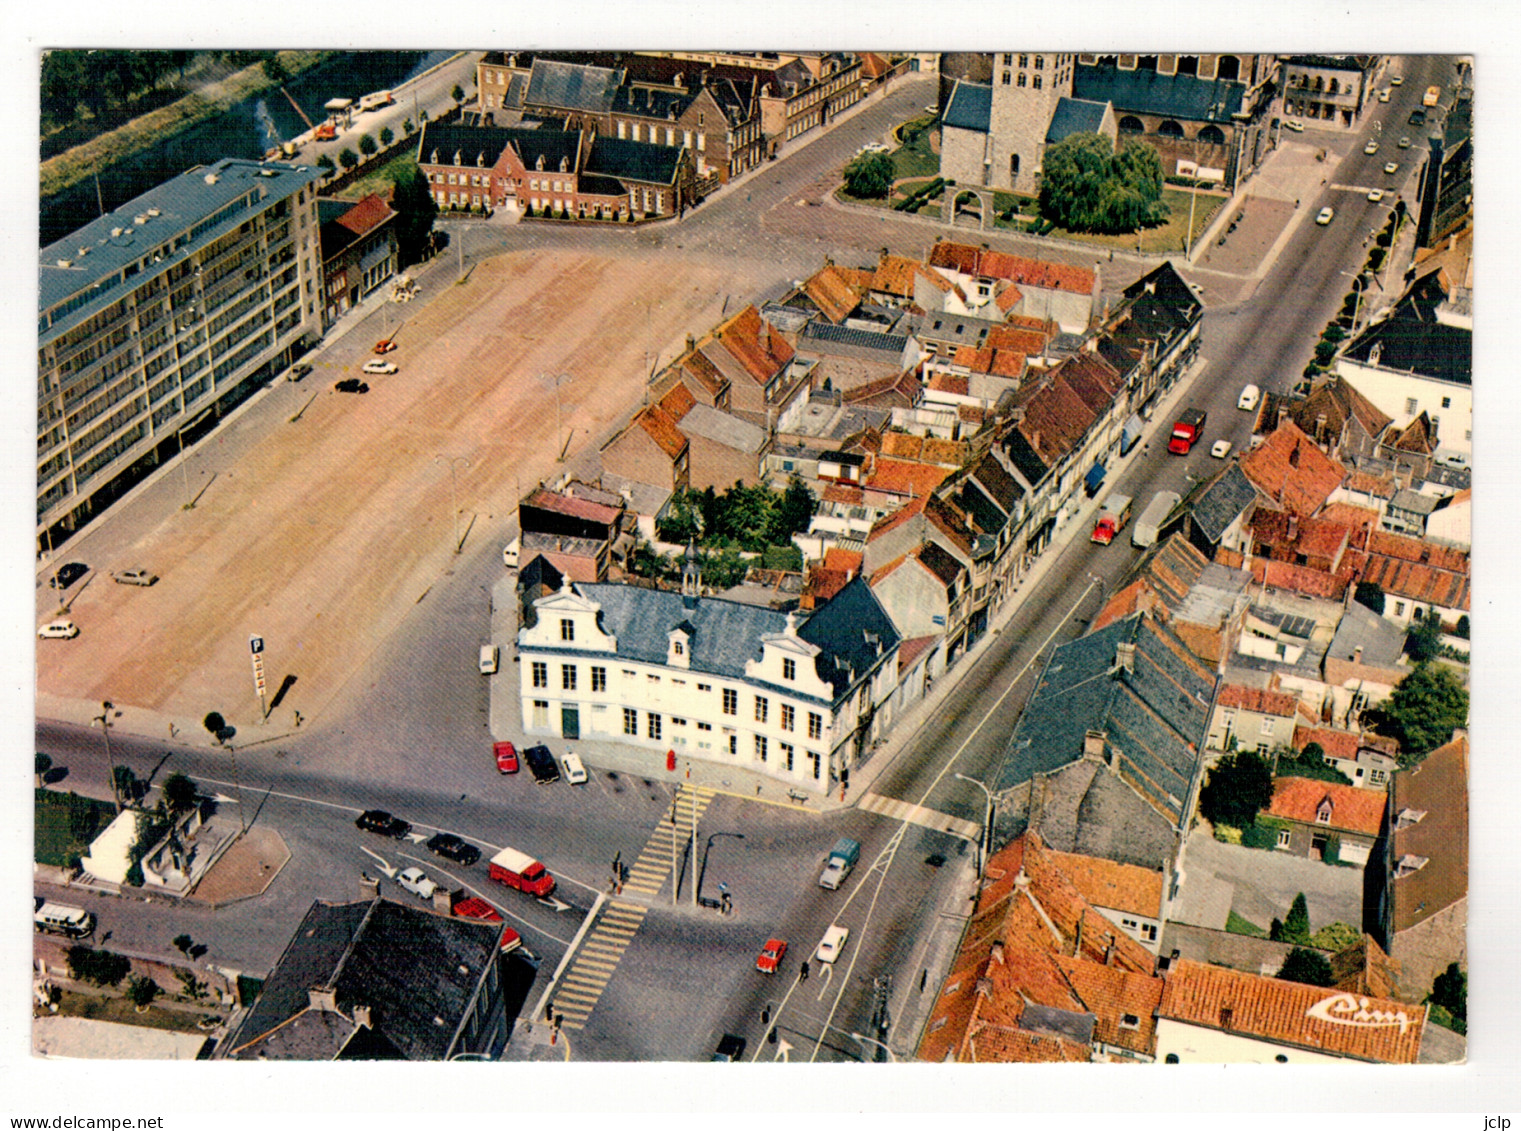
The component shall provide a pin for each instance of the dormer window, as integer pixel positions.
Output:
(539, 164)
(678, 648)
(457, 159)
(1409, 864)
(564, 165)
(1407, 817)
(1323, 812)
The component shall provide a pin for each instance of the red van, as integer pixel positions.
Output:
(517, 870)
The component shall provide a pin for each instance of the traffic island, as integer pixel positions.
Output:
(244, 870)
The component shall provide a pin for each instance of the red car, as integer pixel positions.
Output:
(506, 757)
(385, 345)
(475, 908)
(771, 956)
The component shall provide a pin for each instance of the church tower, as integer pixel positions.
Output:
(1026, 89)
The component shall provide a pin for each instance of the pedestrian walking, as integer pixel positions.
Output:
(802, 971)
(298, 718)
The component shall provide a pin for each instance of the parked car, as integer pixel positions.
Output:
(67, 574)
(382, 367)
(134, 577)
(771, 956)
(1221, 449)
(351, 385)
(506, 757)
(298, 371)
(575, 772)
(385, 345)
(1396, 80)
(1249, 397)
(1404, 143)
(1417, 117)
(1294, 124)
(415, 880)
(58, 630)
(451, 847)
(1383, 95)
(379, 821)
(1325, 216)
(1371, 147)
(1376, 195)
(730, 1048)
(1392, 167)
(476, 908)
(832, 943)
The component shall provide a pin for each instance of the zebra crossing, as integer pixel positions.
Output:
(919, 815)
(597, 959)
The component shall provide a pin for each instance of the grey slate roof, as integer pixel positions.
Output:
(1302, 628)
(572, 86)
(482, 145)
(408, 965)
(854, 632)
(721, 428)
(1411, 339)
(634, 160)
(825, 337)
(970, 107)
(1088, 810)
(1382, 641)
(1053, 1022)
(95, 279)
(1024, 457)
(1075, 116)
(1222, 502)
(1172, 96)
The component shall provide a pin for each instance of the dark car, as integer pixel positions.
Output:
(542, 764)
(298, 371)
(352, 385)
(379, 821)
(68, 573)
(730, 1048)
(451, 847)
(1417, 117)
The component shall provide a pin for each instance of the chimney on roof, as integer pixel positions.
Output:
(1124, 655)
(1357, 654)
(1077, 942)
(362, 1017)
(1293, 526)
(1093, 745)
(1320, 428)
(369, 886)
(322, 999)
(996, 953)
(1109, 951)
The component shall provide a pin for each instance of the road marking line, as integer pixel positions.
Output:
(918, 815)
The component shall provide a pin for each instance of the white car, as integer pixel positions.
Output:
(384, 368)
(575, 772)
(1294, 124)
(1371, 147)
(1221, 449)
(134, 577)
(1249, 398)
(58, 630)
(1325, 216)
(832, 943)
(1376, 195)
(416, 881)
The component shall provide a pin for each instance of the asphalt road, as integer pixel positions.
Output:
(417, 742)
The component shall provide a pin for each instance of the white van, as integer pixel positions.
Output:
(61, 919)
(1249, 398)
(490, 658)
(510, 553)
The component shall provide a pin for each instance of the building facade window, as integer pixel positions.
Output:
(815, 726)
(599, 679)
(762, 708)
(789, 669)
(788, 750)
(567, 629)
(654, 726)
(731, 701)
(760, 748)
(630, 721)
(1283, 838)
(567, 677)
(540, 674)
(540, 714)
(789, 716)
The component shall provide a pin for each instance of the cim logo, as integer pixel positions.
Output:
(1348, 1009)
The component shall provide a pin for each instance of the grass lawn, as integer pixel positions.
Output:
(916, 159)
(58, 837)
(1168, 237)
(380, 179)
(121, 1010)
(1236, 925)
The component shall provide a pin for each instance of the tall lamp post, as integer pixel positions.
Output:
(985, 840)
(104, 719)
(1360, 281)
(453, 498)
(555, 380)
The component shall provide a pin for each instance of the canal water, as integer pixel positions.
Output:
(246, 130)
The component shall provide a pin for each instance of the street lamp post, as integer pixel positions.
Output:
(1360, 281)
(453, 498)
(985, 840)
(555, 379)
(104, 719)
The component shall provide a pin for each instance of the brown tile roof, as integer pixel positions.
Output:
(1296, 578)
(1008, 298)
(1105, 883)
(1357, 519)
(1035, 273)
(702, 370)
(742, 337)
(902, 477)
(678, 402)
(545, 499)
(1365, 483)
(911, 649)
(901, 445)
(1055, 420)
(1134, 596)
(891, 522)
(1364, 968)
(1340, 743)
(833, 293)
(1437, 787)
(1418, 550)
(842, 493)
(896, 388)
(1415, 437)
(1352, 809)
(1289, 468)
(1124, 1004)
(1307, 1017)
(367, 215)
(1258, 699)
(1416, 582)
(895, 276)
(663, 430)
(946, 453)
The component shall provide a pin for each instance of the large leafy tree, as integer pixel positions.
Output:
(869, 176)
(1423, 711)
(794, 511)
(1237, 787)
(1450, 991)
(415, 211)
(1086, 186)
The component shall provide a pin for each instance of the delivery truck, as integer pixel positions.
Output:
(521, 871)
(842, 858)
(1150, 522)
(1112, 519)
(1186, 432)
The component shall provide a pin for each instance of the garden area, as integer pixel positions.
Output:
(741, 528)
(65, 824)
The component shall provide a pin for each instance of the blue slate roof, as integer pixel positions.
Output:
(1075, 116)
(1024, 458)
(482, 146)
(1171, 96)
(228, 192)
(854, 632)
(970, 107)
(1222, 502)
(1153, 715)
(572, 86)
(1411, 338)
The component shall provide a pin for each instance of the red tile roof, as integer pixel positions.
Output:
(1008, 298)
(1106, 883)
(1352, 809)
(1123, 1003)
(367, 215)
(1340, 743)
(1288, 467)
(1296, 578)
(1258, 699)
(891, 522)
(678, 402)
(1418, 550)
(1289, 1013)
(833, 293)
(1357, 519)
(902, 477)
(902, 445)
(548, 500)
(1416, 582)
(842, 493)
(663, 430)
(895, 276)
(848, 560)
(910, 650)
(742, 336)
(1034, 273)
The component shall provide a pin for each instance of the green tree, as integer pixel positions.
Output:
(183, 943)
(1450, 991)
(180, 792)
(387, 136)
(1307, 966)
(1088, 187)
(1462, 629)
(407, 127)
(1308, 763)
(63, 78)
(794, 511)
(869, 176)
(367, 145)
(274, 70)
(1336, 937)
(141, 992)
(1237, 787)
(1370, 595)
(1423, 642)
(99, 967)
(458, 93)
(1296, 927)
(348, 158)
(42, 764)
(215, 724)
(1423, 711)
(325, 163)
(744, 515)
(682, 521)
(415, 211)
(126, 784)
(724, 568)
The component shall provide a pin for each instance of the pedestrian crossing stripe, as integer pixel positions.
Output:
(919, 815)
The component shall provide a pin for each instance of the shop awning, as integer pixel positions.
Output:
(1094, 477)
(1131, 433)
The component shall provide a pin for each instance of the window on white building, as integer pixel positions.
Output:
(789, 716)
(815, 726)
(654, 726)
(762, 708)
(567, 677)
(599, 679)
(789, 669)
(540, 674)
(540, 714)
(567, 629)
(731, 701)
(630, 721)
(760, 748)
